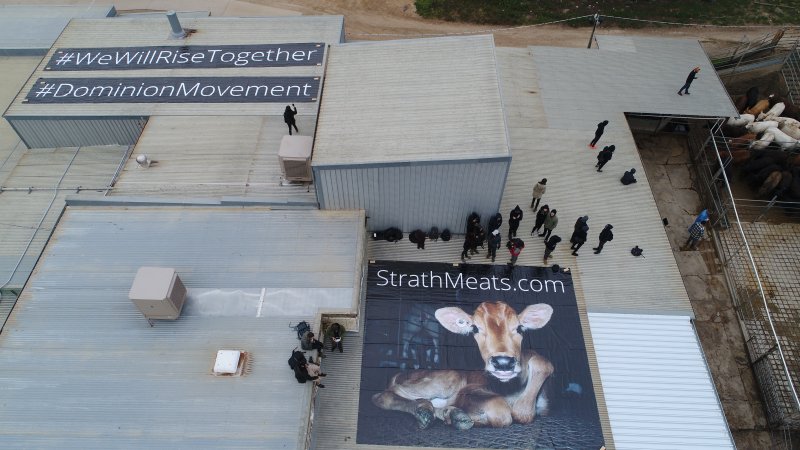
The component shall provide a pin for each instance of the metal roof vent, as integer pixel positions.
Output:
(230, 363)
(143, 161)
(177, 30)
(294, 155)
(158, 293)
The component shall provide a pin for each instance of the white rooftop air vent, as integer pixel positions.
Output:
(295, 157)
(158, 293)
(229, 363)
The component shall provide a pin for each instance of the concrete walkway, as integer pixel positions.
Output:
(668, 166)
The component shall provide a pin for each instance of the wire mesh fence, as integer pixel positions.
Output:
(760, 266)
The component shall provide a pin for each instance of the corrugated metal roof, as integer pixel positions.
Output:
(33, 29)
(411, 100)
(82, 368)
(129, 32)
(656, 383)
(613, 281)
(212, 157)
(29, 217)
(581, 87)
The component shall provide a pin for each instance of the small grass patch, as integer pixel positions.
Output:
(525, 12)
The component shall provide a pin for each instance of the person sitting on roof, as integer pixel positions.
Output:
(628, 177)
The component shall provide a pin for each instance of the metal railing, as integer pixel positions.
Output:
(791, 73)
(770, 48)
(767, 347)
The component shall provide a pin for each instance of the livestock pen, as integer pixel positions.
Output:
(758, 243)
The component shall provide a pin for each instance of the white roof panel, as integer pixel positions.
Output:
(658, 390)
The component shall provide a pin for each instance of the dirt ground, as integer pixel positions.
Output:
(397, 19)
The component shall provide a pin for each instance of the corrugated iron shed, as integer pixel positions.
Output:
(407, 128)
(83, 369)
(411, 100)
(656, 383)
(31, 30)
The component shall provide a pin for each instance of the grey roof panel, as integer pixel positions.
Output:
(580, 87)
(83, 369)
(411, 100)
(28, 30)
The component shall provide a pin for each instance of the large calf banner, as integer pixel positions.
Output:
(474, 356)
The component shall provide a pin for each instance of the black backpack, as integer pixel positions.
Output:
(298, 358)
(446, 235)
(434, 234)
(301, 329)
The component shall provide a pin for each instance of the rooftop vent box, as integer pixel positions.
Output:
(229, 363)
(158, 293)
(295, 157)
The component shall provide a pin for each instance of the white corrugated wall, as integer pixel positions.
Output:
(412, 196)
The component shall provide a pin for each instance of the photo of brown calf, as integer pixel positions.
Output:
(506, 390)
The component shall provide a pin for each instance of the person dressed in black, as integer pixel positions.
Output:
(418, 237)
(628, 177)
(579, 234)
(480, 238)
(598, 133)
(604, 156)
(473, 220)
(605, 236)
(692, 76)
(540, 216)
(494, 243)
(550, 245)
(513, 221)
(495, 222)
(469, 242)
(288, 117)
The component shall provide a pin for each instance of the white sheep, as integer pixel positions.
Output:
(787, 121)
(785, 141)
(743, 120)
(792, 129)
(758, 127)
(773, 113)
(762, 143)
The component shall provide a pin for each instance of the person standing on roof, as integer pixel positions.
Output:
(605, 236)
(550, 223)
(550, 245)
(513, 221)
(540, 216)
(604, 156)
(692, 76)
(598, 133)
(494, 243)
(515, 247)
(288, 117)
(538, 192)
(495, 222)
